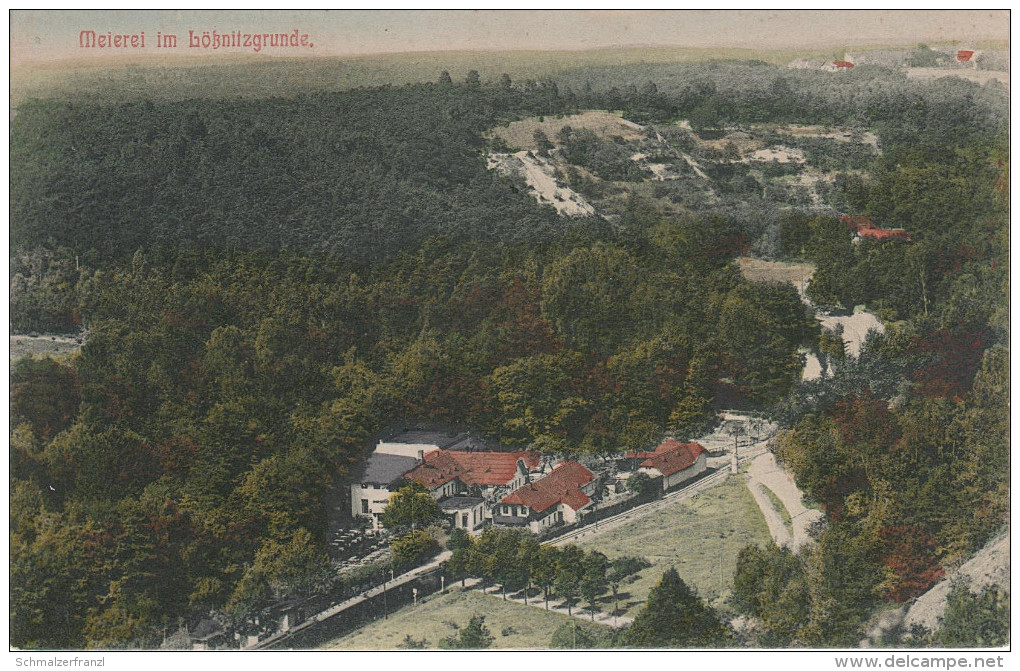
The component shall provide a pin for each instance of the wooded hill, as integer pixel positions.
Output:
(268, 282)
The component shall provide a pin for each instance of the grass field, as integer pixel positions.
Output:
(700, 536)
(521, 134)
(760, 270)
(524, 626)
(780, 508)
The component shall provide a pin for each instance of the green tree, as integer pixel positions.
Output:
(676, 617)
(411, 507)
(978, 620)
(543, 569)
(770, 584)
(413, 549)
(588, 295)
(569, 573)
(593, 580)
(474, 636)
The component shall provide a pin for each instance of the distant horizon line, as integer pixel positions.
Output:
(99, 59)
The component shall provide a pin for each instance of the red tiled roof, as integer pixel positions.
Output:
(885, 234)
(843, 64)
(472, 468)
(964, 55)
(563, 485)
(857, 222)
(672, 457)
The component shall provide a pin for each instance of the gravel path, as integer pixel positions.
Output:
(766, 472)
(780, 534)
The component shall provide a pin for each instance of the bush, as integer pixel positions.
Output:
(413, 549)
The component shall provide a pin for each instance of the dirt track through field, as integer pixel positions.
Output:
(765, 472)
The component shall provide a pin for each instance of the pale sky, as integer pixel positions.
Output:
(44, 35)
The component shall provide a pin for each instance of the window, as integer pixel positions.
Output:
(364, 506)
(464, 520)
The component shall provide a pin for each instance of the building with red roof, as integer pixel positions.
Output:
(857, 222)
(552, 500)
(865, 229)
(885, 234)
(447, 473)
(673, 461)
(964, 55)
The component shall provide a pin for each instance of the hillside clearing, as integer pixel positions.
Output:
(700, 536)
(524, 626)
(521, 134)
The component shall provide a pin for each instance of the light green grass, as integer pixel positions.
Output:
(532, 627)
(784, 514)
(700, 536)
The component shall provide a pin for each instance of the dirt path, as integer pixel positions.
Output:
(766, 472)
(22, 346)
(780, 534)
(540, 175)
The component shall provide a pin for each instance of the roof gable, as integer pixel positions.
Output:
(485, 469)
(563, 485)
(673, 456)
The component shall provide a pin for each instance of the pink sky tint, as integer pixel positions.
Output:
(47, 35)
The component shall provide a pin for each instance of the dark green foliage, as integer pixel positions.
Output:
(602, 158)
(267, 282)
(42, 291)
(410, 507)
(771, 585)
(473, 636)
(413, 549)
(675, 617)
(411, 643)
(367, 173)
(44, 393)
(972, 620)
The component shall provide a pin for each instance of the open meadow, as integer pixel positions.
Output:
(700, 536)
(513, 625)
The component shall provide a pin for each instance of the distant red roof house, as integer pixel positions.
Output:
(551, 500)
(843, 64)
(674, 461)
(885, 234)
(857, 222)
(964, 55)
(866, 228)
(484, 469)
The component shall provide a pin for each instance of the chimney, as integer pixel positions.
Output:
(421, 456)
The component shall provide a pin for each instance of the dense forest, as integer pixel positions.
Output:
(265, 284)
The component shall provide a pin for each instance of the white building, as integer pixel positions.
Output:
(673, 461)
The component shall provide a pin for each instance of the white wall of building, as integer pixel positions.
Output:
(694, 470)
(369, 501)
